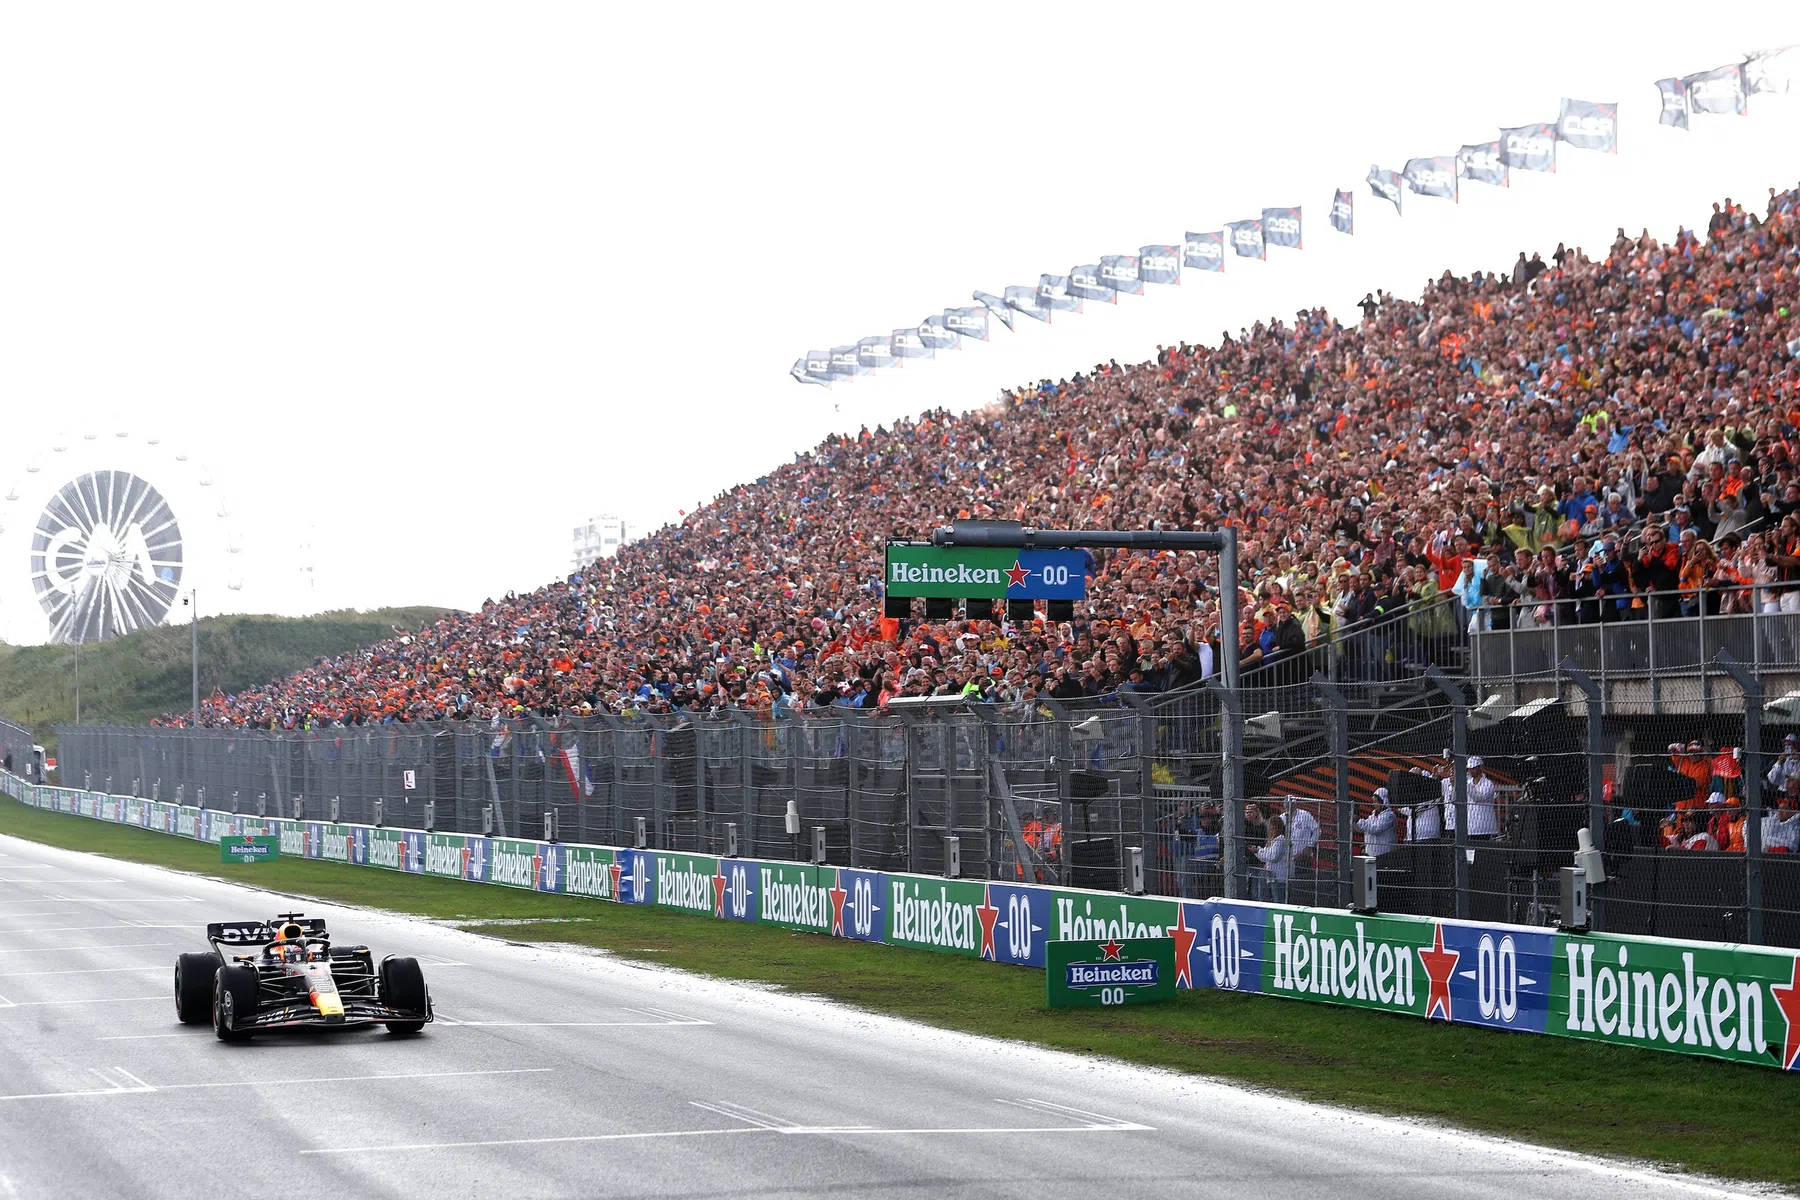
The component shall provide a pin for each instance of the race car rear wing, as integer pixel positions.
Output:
(260, 933)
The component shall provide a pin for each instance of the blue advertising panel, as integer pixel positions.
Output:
(549, 867)
(856, 905)
(734, 890)
(1049, 575)
(1015, 924)
(637, 877)
(1501, 976)
(477, 859)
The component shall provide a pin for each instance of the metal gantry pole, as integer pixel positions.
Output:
(1596, 751)
(1459, 773)
(1753, 779)
(1339, 710)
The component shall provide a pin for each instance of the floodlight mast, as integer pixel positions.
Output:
(1223, 542)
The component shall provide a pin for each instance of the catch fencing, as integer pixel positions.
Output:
(1126, 792)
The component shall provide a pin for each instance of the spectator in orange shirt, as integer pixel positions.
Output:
(1693, 761)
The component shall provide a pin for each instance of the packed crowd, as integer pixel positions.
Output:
(1578, 438)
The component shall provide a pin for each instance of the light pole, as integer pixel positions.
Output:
(80, 634)
(192, 600)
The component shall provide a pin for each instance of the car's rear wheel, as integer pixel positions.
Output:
(403, 987)
(234, 1003)
(193, 987)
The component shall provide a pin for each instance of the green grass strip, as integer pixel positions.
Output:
(1720, 1118)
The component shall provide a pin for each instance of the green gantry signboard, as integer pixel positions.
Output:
(249, 849)
(1109, 973)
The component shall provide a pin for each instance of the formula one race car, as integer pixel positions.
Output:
(293, 976)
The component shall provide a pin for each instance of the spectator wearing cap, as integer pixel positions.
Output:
(1725, 822)
(1378, 828)
(1787, 766)
(1481, 799)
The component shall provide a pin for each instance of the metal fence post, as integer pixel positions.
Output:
(1752, 775)
(1596, 750)
(1231, 787)
(1459, 750)
(1338, 714)
(1146, 719)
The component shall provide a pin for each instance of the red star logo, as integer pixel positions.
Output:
(987, 914)
(1787, 999)
(465, 866)
(1111, 950)
(718, 882)
(537, 870)
(615, 871)
(1017, 576)
(1184, 946)
(1439, 964)
(838, 895)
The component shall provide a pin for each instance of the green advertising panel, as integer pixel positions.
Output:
(1726, 1001)
(935, 914)
(1080, 916)
(447, 855)
(513, 862)
(386, 846)
(1362, 961)
(590, 871)
(977, 573)
(794, 895)
(249, 849)
(1109, 973)
(687, 882)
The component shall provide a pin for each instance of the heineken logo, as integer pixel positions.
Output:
(1084, 926)
(679, 885)
(337, 845)
(444, 858)
(587, 875)
(905, 572)
(384, 851)
(511, 867)
(293, 837)
(932, 920)
(1111, 974)
(1676, 1004)
(799, 902)
(1350, 968)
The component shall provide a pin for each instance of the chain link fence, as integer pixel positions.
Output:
(1470, 791)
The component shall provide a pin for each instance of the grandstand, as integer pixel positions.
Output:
(1534, 413)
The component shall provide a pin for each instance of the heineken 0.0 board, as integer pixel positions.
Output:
(249, 849)
(1108, 973)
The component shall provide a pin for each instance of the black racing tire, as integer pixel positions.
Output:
(193, 987)
(403, 987)
(233, 1002)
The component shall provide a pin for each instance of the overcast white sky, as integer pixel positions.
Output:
(427, 284)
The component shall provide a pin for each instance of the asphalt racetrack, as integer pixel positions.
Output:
(563, 1073)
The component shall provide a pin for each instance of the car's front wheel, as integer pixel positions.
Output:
(234, 1003)
(403, 987)
(193, 987)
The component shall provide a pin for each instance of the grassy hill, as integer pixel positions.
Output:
(132, 679)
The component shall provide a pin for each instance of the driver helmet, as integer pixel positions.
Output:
(288, 939)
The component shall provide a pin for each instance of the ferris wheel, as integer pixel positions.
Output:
(100, 534)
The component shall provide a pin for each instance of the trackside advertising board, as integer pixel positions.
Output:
(249, 849)
(1740, 1003)
(1109, 973)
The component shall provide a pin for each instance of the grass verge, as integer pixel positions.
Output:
(1719, 1118)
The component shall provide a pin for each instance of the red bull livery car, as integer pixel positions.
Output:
(286, 973)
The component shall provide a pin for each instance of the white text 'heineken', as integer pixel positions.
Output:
(937, 921)
(1340, 967)
(1681, 1008)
